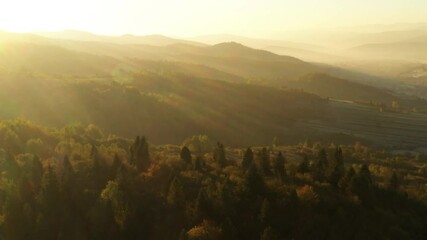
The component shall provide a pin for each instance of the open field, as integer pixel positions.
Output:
(391, 129)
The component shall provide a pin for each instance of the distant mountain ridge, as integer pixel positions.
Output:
(154, 39)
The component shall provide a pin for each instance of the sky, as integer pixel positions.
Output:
(186, 18)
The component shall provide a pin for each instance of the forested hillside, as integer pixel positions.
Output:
(240, 95)
(166, 107)
(79, 182)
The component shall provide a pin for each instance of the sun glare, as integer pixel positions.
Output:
(172, 17)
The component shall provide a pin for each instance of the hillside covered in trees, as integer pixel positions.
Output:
(80, 183)
(176, 89)
(331, 158)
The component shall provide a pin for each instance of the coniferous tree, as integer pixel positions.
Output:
(202, 208)
(47, 223)
(265, 215)
(115, 165)
(304, 166)
(263, 161)
(254, 182)
(320, 165)
(36, 173)
(97, 173)
(14, 217)
(11, 167)
(362, 186)
(336, 167)
(198, 163)
(185, 155)
(68, 174)
(219, 155)
(279, 166)
(226, 199)
(344, 182)
(176, 197)
(248, 159)
(139, 154)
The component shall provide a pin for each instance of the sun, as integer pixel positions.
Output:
(47, 15)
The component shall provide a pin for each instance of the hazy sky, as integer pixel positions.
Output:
(197, 17)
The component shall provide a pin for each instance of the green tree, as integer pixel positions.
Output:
(48, 222)
(248, 159)
(279, 166)
(254, 182)
(336, 167)
(202, 207)
(198, 163)
(175, 196)
(362, 186)
(344, 182)
(263, 161)
(16, 223)
(265, 215)
(115, 198)
(36, 173)
(185, 155)
(139, 154)
(320, 166)
(303, 166)
(219, 155)
(115, 165)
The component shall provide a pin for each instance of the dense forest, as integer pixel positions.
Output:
(78, 182)
(150, 137)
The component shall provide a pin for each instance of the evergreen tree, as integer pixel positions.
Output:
(226, 199)
(219, 155)
(202, 207)
(68, 174)
(48, 223)
(198, 163)
(97, 174)
(304, 166)
(279, 166)
(139, 154)
(11, 167)
(344, 182)
(176, 197)
(361, 185)
(263, 161)
(185, 155)
(336, 167)
(248, 159)
(265, 215)
(13, 226)
(115, 165)
(254, 182)
(320, 166)
(36, 173)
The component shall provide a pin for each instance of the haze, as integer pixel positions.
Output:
(192, 17)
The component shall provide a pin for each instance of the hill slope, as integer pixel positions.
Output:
(328, 86)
